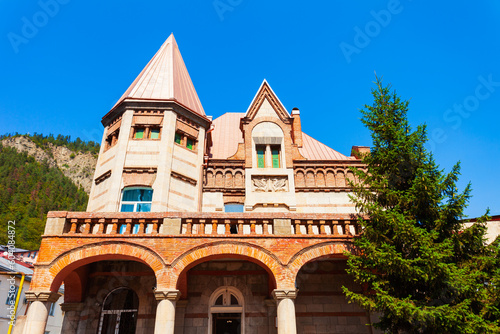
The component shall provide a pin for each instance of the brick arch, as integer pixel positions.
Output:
(257, 121)
(223, 249)
(315, 252)
(67, 262)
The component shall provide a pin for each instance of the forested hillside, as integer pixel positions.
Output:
(33, 183)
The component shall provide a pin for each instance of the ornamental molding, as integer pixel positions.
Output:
(264, 183)
(42, 296)
(172, 295)
(285, 294)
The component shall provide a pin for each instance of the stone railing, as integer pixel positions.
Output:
(200, 224)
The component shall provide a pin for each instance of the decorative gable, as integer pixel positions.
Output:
(267, 104)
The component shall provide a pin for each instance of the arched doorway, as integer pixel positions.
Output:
(226, 313)
(119, 312)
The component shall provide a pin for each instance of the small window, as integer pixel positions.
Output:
(139, 133)
(233, 207)
(261, 156)
(11, 295)
(154, 133)
(190, 143)
(185, 141)
(137, 200)
(275, 152)
(178, 138)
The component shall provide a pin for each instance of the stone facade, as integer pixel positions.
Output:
(233, 225)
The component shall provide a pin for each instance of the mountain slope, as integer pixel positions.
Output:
(28, 190)
(78, 165)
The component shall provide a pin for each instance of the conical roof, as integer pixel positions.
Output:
(165, 77)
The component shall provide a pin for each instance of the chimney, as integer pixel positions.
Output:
(360, 151)
(296, 127)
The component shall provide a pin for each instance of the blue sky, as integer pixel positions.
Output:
(65, 63)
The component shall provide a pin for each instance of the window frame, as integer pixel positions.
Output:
(262, 160)
(278, 148)
(226, 291)
(184, 140)
(134, 203)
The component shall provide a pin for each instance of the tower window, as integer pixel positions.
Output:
(185, 141)
(154, 133)
(136, 200)
(139, 133)
(178, 138)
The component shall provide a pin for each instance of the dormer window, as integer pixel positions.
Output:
(275, 156)
(268, 140)
(268, 156)
(261, 156)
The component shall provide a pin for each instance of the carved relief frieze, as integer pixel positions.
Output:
(264, 183)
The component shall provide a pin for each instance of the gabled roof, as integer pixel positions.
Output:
(165, 77)
(227, 135)
(315, 150)
(265, 92)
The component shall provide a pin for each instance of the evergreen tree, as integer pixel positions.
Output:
(28, 190)
(421, 270)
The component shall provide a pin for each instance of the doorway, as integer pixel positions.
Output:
(226, 323)
(226, 311)
(119, 312)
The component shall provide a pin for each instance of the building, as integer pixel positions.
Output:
(232, 225)
(9, 287)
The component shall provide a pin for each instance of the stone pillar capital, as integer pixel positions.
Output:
(42, 296)
(172, 295)
(279, 294)
(66, 307)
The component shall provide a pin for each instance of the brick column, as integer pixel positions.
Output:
(165, 311)
(71, 317)
(286, 310)
(38, 310)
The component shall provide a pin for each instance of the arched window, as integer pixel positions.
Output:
(268, 140)
(136, 199)
(226, 313)
(119, 312)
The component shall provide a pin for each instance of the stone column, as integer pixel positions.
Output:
(38, 310)
(286, 310)
(71, 317)
(165, 311)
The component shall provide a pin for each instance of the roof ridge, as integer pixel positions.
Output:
(165, 77)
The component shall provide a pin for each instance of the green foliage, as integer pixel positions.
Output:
(28, 190)
(423, 272)
(76, 145)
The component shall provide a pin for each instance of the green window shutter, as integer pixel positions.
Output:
(155, 133)
(139, 133)
(178, 138)
(276, 157)
(190, 143)
(261, 157)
